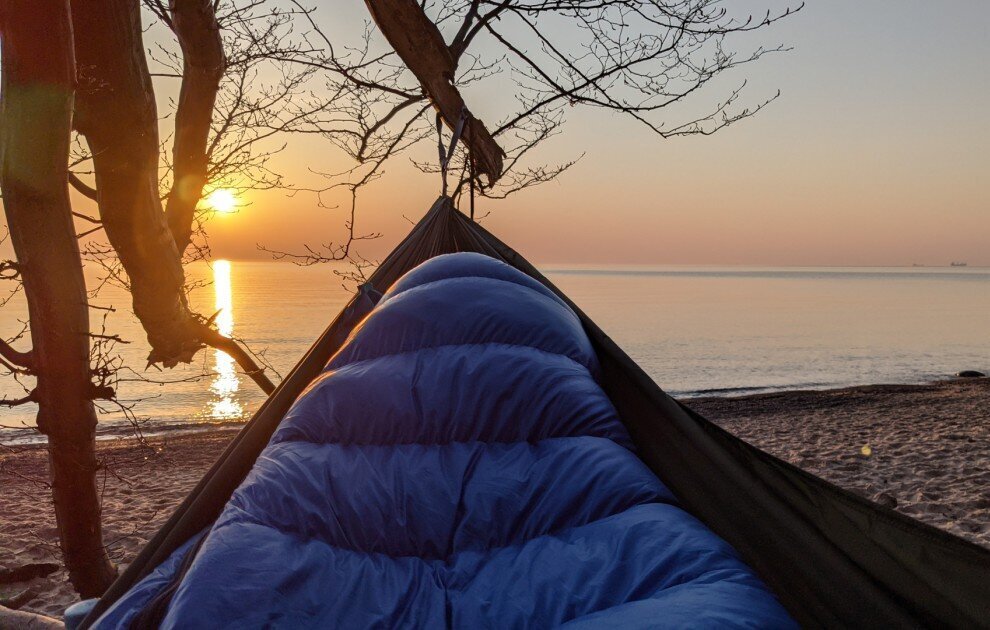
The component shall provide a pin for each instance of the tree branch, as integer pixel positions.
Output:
(420, 45)
(24, 360)
(203, 63)
(214, 339)
(32, 397)
(81, 186)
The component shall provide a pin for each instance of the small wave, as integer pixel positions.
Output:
(29, 436)
(754, 389)
(725, 390)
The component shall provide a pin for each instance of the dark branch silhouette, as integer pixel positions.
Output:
(652, 60)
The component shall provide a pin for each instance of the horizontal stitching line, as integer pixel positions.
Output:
(451, 556)
(551, 296)
(466, 345)
(304, 440)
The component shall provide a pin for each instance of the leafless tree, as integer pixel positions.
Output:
(655, 61)
(224, 117)
(35, 117)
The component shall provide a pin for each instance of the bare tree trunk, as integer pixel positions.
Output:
(419, 44)
(203, 62)
(116, 111)
(35, 122)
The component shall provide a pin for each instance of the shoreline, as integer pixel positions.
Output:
(114, 431)
(928, 457)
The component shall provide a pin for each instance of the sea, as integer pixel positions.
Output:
(697, 331)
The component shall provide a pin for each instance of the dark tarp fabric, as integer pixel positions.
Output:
(567, 470)
(457, 465)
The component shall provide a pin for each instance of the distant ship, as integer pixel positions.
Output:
(957, 264)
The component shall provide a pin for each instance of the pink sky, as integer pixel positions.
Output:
(875, 154)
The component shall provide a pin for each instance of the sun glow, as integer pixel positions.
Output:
(222, 200)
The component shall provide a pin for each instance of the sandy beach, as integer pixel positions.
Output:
(922, 449)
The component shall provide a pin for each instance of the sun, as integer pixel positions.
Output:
(222, 200)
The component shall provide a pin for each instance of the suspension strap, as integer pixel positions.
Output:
(448, 153)
(471, 177)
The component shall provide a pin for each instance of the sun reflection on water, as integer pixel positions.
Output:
(224, 405)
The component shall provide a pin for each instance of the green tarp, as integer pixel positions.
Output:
(833, 558)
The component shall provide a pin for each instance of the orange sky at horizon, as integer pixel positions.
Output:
(874, 155)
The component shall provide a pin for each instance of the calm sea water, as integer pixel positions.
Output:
(696, 331)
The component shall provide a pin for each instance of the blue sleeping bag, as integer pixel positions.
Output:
(457, 465)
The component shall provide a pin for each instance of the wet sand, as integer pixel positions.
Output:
(928, 445)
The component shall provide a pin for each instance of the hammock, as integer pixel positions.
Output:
(830, 557)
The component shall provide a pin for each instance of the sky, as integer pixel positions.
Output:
(874, 155)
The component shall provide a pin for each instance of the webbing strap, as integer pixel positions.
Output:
(447, 153)
(471, 177)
